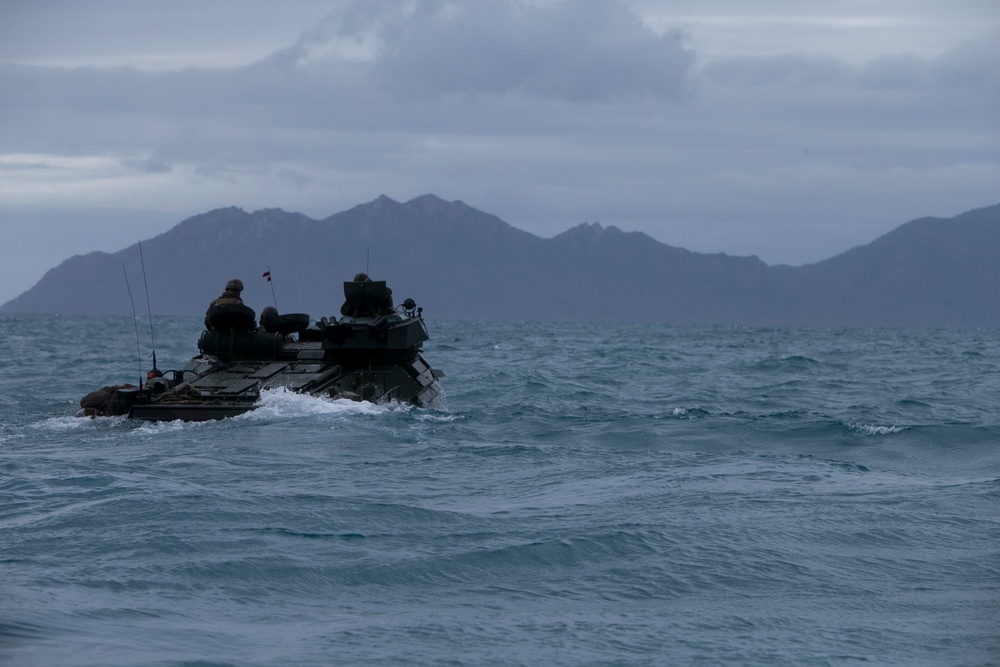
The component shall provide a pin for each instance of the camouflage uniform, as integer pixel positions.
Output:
(231, 295)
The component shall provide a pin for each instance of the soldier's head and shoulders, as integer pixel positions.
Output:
(228, 310)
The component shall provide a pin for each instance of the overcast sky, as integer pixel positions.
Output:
(778, 128)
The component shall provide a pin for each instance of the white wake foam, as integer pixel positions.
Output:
(71, 423)
(281, 403)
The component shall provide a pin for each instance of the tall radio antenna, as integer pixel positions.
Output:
(135, 322)
(149, 308)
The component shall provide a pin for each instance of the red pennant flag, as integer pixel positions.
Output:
(267, 274)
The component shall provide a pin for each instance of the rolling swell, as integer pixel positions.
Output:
(589, 495)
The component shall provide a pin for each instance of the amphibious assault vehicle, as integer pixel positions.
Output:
(370, 353)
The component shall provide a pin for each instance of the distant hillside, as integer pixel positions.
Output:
(461, 263)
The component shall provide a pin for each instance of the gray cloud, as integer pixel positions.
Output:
(545, 114)
(148, 166)
(789, 70)
(966, 67)
(579, 51)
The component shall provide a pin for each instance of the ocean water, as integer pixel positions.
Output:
(588, 494)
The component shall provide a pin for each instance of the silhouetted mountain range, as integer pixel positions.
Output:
(461, 263)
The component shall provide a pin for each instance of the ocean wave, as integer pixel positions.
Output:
(438, 417)
(790, 363)
(875, 429)
(689, 413)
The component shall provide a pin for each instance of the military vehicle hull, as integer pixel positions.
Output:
(370, 356)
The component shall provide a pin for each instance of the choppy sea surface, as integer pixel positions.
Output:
(587, 494)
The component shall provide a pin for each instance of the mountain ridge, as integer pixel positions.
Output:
(462, 263)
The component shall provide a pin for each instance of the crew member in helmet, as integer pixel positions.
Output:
(231, 295)
(244, 319)
(269, 320)
(381, 307)
(156, 381)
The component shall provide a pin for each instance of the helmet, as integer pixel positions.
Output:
(270, 320)
(362, 278)
(234, 285)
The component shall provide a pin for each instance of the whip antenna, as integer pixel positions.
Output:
(148, 307)
(135, 322)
